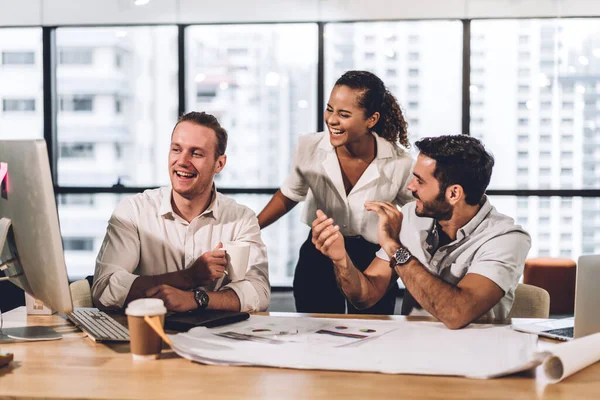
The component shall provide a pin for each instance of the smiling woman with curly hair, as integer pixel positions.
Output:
(362, 156)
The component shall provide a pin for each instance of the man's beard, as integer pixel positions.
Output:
(438, 208)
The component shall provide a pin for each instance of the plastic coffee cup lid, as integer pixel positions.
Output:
(143, 307)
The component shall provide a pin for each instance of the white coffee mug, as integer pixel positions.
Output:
(237, 260)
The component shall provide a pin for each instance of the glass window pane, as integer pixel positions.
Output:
(117, 104)
(559, 226)
(542, 85)
(260, 81)
(22, 108)
(420, 63)
(83, 222)
(283, 238)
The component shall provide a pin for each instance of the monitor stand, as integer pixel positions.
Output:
(9, 262)
(9, 258)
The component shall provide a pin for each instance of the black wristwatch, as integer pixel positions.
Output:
(201, 299)
(400, 257)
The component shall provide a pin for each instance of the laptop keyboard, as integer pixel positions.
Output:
(98, 325)
(566, 332)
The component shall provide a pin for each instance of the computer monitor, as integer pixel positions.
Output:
(31, 251)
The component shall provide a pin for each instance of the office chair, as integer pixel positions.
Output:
(530, 302)
(81, 294)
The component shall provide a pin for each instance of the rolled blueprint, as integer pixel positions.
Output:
(565, 359)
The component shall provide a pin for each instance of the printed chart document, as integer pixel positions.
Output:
(394, 347)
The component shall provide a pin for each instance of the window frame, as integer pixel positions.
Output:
(50, 107)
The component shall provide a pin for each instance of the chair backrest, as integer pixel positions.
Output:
(81, 294)
(530, 302)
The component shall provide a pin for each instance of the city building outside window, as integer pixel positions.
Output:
(21, 84)
(75, 56)
(18, 58)
(18, 105)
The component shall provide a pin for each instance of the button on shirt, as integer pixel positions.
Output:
(146, 237)
(490, 244)
(316, 177)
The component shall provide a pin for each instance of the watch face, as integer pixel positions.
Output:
(201, 298)
(402, 256)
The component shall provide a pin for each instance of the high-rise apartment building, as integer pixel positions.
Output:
(534, 101)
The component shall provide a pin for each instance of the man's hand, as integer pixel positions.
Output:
(327, 238)
(390, 222)
(209, 267)
(175, 299)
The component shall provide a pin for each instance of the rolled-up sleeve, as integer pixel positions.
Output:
(117, 259)
(254, 291)
(295, 186)
(502, 259)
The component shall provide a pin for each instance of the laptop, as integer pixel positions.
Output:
(587, 298)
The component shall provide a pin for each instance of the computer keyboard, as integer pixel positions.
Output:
(566, 332)
(98, 325)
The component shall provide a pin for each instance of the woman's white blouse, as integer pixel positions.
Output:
(316, 177)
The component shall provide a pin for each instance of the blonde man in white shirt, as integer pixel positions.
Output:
(166, 243)
(356, 160)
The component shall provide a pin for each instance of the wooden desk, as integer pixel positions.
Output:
(80, 368)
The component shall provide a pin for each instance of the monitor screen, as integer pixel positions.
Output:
(31, 250)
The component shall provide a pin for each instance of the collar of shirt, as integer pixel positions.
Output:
(428, 228)
(166, 209)
(384, 148)
(332, 167)
(470, 226)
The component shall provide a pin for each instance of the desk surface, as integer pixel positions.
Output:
(78, 367)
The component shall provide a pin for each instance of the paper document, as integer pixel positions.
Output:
(395, 347)
(316, 331)
(565, 359)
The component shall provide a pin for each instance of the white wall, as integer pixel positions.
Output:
(94, 12)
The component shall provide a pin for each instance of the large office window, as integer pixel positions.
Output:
(537, 92)
(117, 104)
(21, 111)
(557, 225)
(536, 100)
(83, 222)
(116, 96)
(419, 62)
(261, 83)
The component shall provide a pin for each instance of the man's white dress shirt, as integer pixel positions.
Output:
(146, 237)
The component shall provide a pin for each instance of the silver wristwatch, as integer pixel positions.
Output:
(400, 257)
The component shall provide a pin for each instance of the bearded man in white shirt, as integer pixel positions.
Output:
(166, 243)
(458, 257)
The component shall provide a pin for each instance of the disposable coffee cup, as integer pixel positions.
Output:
(145, 343)
(237, 260)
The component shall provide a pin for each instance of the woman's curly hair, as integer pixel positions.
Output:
(374, 97)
